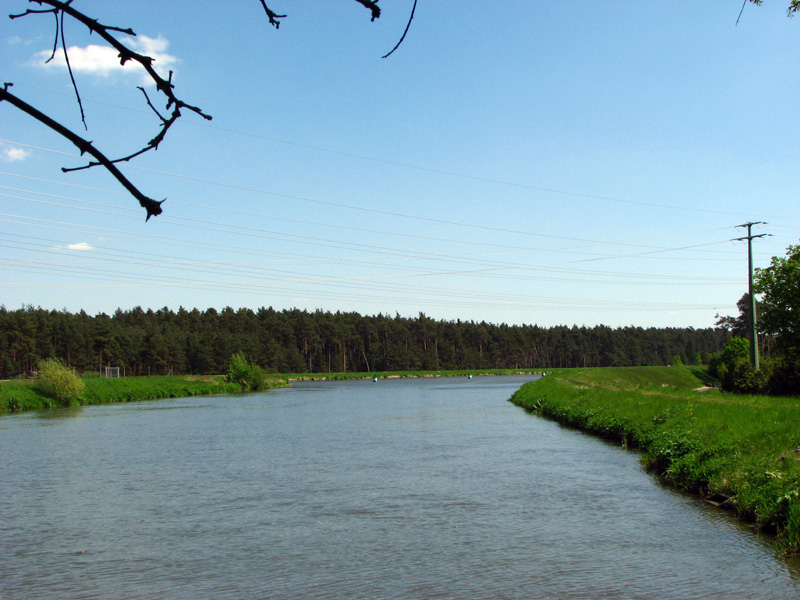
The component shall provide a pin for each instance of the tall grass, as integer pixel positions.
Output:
(708, 442)
(18, 395)
(24, 395)
(128, 389)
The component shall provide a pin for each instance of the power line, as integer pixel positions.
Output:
(369, 248)
(405, 165)
(363, 230)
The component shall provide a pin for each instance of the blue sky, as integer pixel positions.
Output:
(521, 162)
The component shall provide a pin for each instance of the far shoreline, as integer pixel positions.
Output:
(22, 395)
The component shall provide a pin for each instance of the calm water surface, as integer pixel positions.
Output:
(398, 489)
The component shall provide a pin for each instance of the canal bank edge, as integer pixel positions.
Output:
(18, 395)
(742, 449)
(21, 395)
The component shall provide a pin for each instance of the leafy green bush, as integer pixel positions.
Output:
(785, 377)
(778, 376)
(249, 375)
(59, 382)
(258, 378)
(239, 370)
(744, 379)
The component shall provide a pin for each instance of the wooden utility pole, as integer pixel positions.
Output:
(752, 321)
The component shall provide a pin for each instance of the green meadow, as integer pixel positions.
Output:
(739, 450)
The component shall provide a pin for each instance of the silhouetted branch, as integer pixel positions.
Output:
(397, 45)
(59, 35)
(153, 207)
(125, 54)
(273, 18)
(164, 86)
(794, 8)
(151, 145)
(372, 6)
(69, 68)
(62, 8)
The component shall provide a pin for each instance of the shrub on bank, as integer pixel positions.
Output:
(248, 375)
(59, 382)
(785, 377)
(778, 375)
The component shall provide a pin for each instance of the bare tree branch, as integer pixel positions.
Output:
(164, 86)
(69, 68)
(794, 8)
(273, 18)
(372, 6)
(397, 45)
(152, 144)
(62, 8)
(153, 207)
(125, 54)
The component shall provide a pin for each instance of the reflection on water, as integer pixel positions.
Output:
(396, 489)
(66, 412)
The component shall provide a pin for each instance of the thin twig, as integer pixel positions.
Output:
(71, 75)
(151, 145)
(741, 11)
(413, 8)
(55, 41)
(150, 104)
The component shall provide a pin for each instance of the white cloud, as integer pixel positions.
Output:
(13, 154)
(104, 60)
(80, 247)
(15, 40)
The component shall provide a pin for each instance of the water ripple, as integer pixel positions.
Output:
(410, 489)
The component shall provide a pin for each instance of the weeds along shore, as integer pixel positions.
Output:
(25, 395)
(16, 395)
(738, 451)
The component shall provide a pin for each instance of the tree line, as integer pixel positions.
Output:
(164, 341)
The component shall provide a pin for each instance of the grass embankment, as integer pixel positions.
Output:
(746, 448)
(403, 374)
(23, 395)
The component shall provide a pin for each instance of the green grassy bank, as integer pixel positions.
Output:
(23, 395)
(746, 448)
(403, 374)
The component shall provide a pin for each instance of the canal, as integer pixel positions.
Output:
(412, 488)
